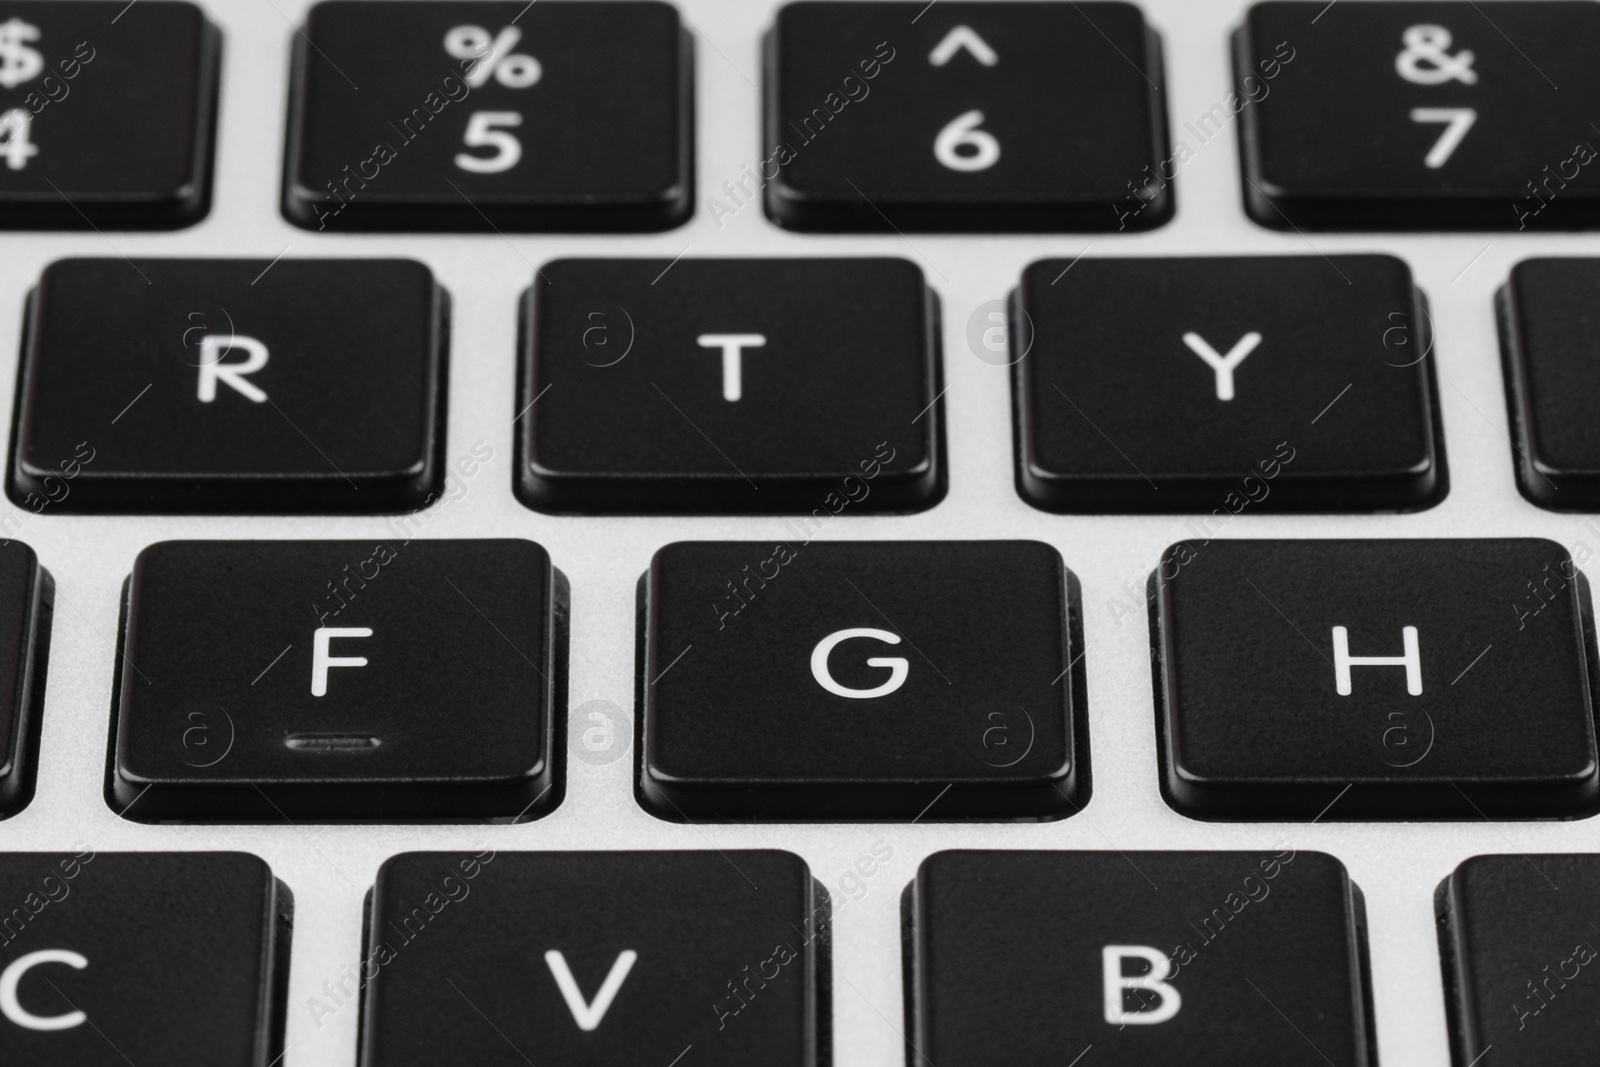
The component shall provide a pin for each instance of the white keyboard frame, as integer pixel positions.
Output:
(330, 868)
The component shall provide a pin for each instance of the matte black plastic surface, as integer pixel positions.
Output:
(441, 666)
(1417, 115)
(618, 958)
(27, 601)
(1225, 385)
(568, 116)
(831, 403)
(986, 117)
(173, 958)
(107, 115)
(1484, 710)
(757, 705)
(232, 385)
(1549, 332)
(1517, 941)
(1006, 959)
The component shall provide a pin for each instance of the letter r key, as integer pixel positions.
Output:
(213, 350)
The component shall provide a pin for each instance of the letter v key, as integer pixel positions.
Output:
(588, 1015)
(1223, 366)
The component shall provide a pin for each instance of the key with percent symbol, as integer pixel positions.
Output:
(484, 56)
(494, 55)
(78, 149)
(489, 116)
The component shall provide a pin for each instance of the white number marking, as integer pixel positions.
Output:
(1459, 119)
(481, 133)
(15, 146)
(963, 131)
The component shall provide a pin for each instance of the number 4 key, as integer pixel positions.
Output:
(107, 114)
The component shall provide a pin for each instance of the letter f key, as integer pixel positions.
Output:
(321, 660)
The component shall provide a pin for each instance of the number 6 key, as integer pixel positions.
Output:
(997, 117)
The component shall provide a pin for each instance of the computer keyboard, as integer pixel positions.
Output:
(944, 533)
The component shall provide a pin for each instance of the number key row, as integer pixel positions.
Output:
(880, 116)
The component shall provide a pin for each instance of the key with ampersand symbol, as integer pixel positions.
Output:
(1419, 116)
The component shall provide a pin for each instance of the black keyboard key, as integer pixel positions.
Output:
(1371, 680)
(483, 117)
(1143, 957)
(1224, 385)
(1548, 333)
(107, 114)
(985, 117)
(176, 958)
(597, 957)
(799, 386)
(1415, 116)
(776, 681)
(383, 680)
(27, 599)
(232, 385)
(1517, 941)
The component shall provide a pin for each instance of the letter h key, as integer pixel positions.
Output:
(1411, 660)
(1254, 729)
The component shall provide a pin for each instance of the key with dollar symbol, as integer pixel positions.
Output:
(78, 148)
(18, 61)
